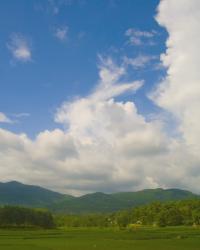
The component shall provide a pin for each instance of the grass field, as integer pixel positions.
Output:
(179, 238)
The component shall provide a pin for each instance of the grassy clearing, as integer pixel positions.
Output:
(173, 238)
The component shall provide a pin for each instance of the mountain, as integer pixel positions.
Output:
(148, 195)
(15, 193)
(100, 202)
(89, 203)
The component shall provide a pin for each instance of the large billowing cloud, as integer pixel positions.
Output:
(106, 145)
(179, 92)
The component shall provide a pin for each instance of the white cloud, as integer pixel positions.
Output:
(20, 48)
(61, 33)
(4, 118)
(104, 145)
(90, 117)
(138, 37)
(140, 61)
(179, 92)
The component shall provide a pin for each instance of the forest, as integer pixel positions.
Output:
(173, 213)
(25, 217)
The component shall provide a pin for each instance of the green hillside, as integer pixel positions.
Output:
(148, 195)
(89, 203)
(15, 193)
(100, 202)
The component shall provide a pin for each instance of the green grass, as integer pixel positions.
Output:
(174, 238)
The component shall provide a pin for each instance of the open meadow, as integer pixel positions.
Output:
(169, 238)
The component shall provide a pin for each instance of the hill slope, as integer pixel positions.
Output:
(15, 193)
(100, 202)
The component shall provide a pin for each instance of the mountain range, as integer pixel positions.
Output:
(16, 193)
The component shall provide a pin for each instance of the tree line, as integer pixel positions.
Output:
(13, 216)
(174, 213)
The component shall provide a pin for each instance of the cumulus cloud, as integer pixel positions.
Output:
(103, 147)
(139, 37)
(105, 144)
(20, 48)
(179, 92)
(61, 33)
(4, 118)
(90, 117)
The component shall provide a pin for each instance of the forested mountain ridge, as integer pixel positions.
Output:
(100, 202)
(15, 193)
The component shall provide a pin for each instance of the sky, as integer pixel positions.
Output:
(100, 95)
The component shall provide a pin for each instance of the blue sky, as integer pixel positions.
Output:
(100, 95)
(60, 69)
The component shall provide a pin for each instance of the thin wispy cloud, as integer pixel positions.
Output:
(21, 115)
(139, 37)
(20, 48)
(4, 118)
(140, 61)
(61, 33)
(12, 118)
(56, 5)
